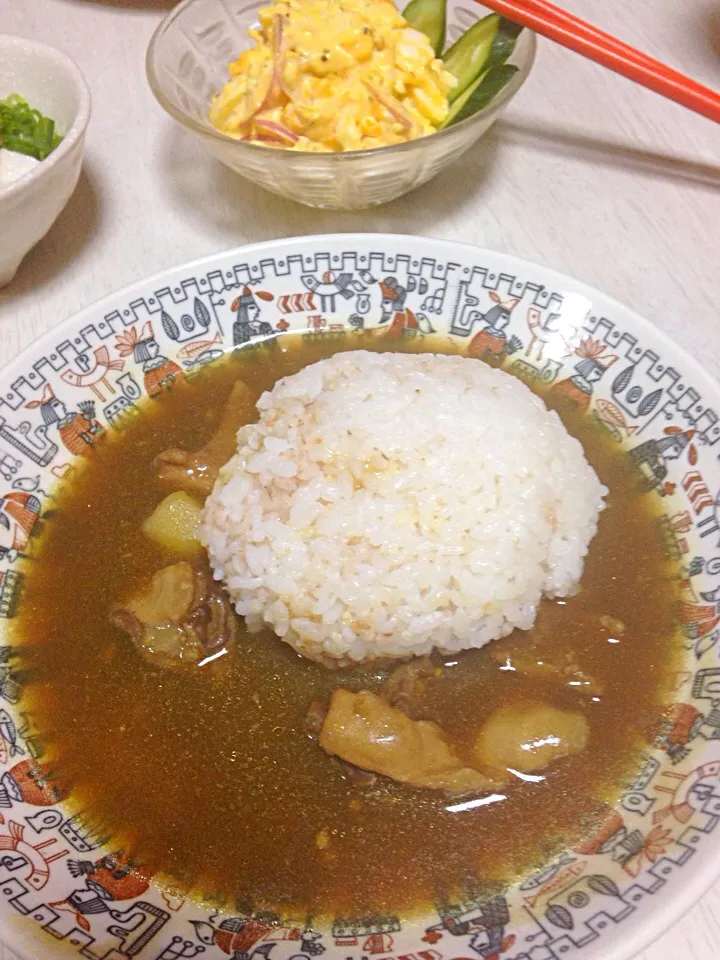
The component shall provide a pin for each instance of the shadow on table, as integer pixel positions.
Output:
(711, 30)
(606, 153)
(129, 4)
(63, 243)
(207, 192)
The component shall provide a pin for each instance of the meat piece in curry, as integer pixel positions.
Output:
(366, 731)
(197, 472)
(182, 617)
(370, 734)
(314, 720)
(405, 687)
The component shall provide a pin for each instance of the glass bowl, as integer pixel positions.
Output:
(187, 63)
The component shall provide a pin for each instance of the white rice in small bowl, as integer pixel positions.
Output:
(387, 504)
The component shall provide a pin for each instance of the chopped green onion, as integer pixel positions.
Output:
(25, 130)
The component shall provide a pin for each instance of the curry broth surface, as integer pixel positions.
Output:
(208, 776)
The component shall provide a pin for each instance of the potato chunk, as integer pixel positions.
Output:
(174, 524)
(527, 737)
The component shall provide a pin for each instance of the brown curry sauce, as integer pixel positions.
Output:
(208, 775)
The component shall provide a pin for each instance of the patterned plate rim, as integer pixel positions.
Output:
(669, 905)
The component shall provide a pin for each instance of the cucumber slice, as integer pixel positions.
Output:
(479, 94)
(488, 43)
(466, 58)
(460, 103)
(504, 43)
(428, 16)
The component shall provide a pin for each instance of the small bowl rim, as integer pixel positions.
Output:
(80, 121)
(307, 156)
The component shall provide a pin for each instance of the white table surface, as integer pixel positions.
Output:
(586, 173)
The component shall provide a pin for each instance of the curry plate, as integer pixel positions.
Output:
(66, 893)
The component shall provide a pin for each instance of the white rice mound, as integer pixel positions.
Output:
(387, 504)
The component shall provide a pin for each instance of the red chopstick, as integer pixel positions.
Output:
(565, 18)
(570, 31)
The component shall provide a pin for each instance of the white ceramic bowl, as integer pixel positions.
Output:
(53, 84)
(659, 849)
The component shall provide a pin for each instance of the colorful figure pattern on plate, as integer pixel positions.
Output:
(60, 402)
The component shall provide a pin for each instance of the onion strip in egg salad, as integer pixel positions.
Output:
(333, 75)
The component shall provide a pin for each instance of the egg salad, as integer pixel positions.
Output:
(333, 75)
